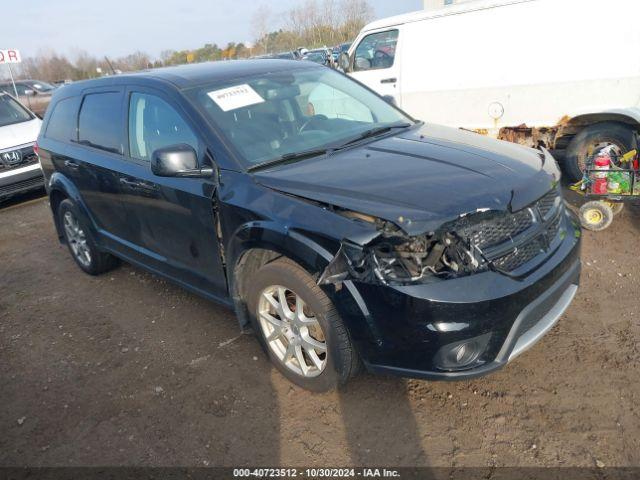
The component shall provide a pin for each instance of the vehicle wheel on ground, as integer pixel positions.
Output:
(299, 327)
(593, 139)
(83, 250)
(616, 207)
(596, 215)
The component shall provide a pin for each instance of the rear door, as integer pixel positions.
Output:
(173, 218)
(96, 164)
(375, 62)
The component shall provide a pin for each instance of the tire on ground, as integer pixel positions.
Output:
(603, 132)
(100, 261)
(596, 215)
(342, 359)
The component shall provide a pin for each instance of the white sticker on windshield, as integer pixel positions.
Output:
(235, 97)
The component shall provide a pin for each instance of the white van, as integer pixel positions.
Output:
(563, 74)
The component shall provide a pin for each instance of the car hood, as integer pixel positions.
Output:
(19, 133)
(421, 178)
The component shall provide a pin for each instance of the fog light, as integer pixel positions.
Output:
(462, 354)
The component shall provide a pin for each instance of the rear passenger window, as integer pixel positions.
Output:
(376, 51)
(100, 122)
(154, 124)
(63, 124)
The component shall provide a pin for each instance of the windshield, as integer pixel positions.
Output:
(12, 112)
(41, 86)
(279, 114)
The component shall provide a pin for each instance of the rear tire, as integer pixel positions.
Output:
(83, 249)
(591, 137)
(325, 368)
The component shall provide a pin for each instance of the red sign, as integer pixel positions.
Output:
(10, 56)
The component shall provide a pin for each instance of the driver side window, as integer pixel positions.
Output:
(376, 51)
(154, 124)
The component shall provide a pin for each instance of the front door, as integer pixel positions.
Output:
(375, 63)
(174, 218)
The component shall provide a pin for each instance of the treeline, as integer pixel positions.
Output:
(314, 23)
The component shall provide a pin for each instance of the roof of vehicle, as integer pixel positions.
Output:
(441, 12)
(186, 76)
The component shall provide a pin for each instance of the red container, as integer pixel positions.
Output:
(602, 163)
(599, 186)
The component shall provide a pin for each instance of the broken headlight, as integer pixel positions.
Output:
(411, 260)
(399, 259)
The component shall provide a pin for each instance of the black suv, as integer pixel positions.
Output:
(343, 232)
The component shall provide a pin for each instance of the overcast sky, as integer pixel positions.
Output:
(120, 27)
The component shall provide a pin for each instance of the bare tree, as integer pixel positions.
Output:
(260, 26)
(355, 15)
(135, 61)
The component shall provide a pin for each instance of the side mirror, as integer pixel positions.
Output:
(177, 161)
(30, 93)
(343, 61)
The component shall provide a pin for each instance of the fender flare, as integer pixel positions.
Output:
(61, 183)
(300, 248)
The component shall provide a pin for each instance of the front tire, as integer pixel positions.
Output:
(81, 246)
(299, 327)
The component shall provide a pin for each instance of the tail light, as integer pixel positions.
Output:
(36, 149)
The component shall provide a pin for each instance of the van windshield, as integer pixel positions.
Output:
(281, 114)
(12, 112)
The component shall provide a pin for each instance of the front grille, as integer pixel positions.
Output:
(520, 255)
(29, 157)
(493, 231)
(554, 227)
(547, 202)
(524, 234)
(23, 186)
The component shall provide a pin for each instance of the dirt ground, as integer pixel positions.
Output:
(127, 369)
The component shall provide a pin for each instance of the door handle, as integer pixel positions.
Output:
(389, 80)
(71, 164)
(137, 185)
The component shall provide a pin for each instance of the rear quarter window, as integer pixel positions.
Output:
(63, 124)
(100, 122)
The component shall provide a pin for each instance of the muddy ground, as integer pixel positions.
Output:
(127, 369)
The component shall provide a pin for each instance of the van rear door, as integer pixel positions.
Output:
(376, 62)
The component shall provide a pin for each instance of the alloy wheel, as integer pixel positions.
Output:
(77, 239)
(292, 331)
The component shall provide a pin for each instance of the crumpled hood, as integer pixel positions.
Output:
(421, 178)
(19, 133)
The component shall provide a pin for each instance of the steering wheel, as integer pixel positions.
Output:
(381, 56)
(311, 120)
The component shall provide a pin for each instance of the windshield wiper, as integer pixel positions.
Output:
(289, 157)
(373, 132)
(292, 157)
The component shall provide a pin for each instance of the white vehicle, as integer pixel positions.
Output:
(19, 165)
(563, 74)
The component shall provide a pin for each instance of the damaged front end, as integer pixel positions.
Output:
(498, 240)
(396, 258)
